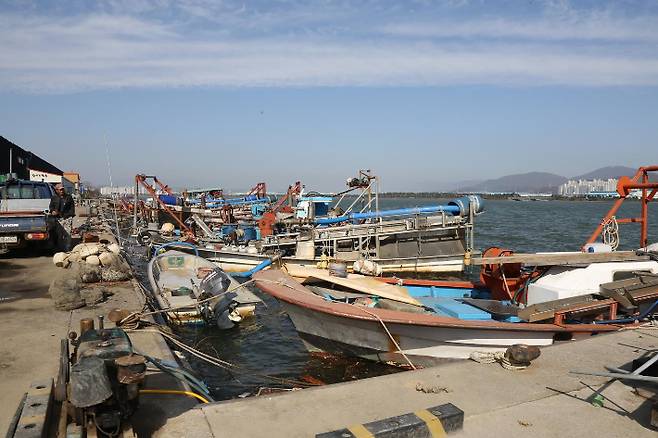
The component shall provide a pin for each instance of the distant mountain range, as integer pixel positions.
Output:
(607, 172)
(541, 182)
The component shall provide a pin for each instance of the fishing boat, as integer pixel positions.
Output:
(428, 321)
(314, 229)
(198, 292)
(531, 299)
(310, 228)
(425, 330)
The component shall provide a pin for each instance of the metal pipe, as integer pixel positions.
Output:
(135, 204)
(619, 376)
(262, 265)
(453, 209)
(646, 364)
(644, 241)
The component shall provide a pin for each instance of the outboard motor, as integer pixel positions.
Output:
(223, 311)
(217, 283)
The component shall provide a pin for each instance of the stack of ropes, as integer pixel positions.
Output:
(498, 356)
(610, 233)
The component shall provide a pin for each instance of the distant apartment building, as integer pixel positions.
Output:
(121, 191)
(583, 187)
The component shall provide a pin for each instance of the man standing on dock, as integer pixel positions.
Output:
(62, 209)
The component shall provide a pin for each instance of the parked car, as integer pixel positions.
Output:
(24, 214)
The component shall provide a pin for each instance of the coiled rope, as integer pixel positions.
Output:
(610, 233)
(500, 357)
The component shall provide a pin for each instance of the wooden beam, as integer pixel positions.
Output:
(565, 258)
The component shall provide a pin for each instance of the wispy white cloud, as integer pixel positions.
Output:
(142, 45)
(592, 28)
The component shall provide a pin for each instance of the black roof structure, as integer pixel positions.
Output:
(22, 161)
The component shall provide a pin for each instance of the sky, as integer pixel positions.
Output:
(426, 94)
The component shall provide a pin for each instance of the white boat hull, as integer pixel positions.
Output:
(423, 345)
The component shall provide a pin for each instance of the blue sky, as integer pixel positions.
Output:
(425, 93)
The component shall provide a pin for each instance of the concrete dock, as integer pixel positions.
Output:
(31, 330)
(544, 400)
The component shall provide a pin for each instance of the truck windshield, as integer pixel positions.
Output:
(24, 191)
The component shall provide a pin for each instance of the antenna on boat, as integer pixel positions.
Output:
(112, 193)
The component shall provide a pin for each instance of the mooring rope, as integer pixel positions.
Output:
(399, 350)
(395, 343)
(130, 318)
(222, 363)
(610, 233)
(498, 356)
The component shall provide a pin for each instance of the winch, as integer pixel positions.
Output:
(101, 379)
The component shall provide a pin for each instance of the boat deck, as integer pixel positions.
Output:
(172, 279)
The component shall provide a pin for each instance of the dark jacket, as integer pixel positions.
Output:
(64, 205)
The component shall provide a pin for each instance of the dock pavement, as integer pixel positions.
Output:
(31, 329)
(544, 400)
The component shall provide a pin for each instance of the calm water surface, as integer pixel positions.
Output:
(268, 344)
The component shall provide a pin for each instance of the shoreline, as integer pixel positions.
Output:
(498, 197)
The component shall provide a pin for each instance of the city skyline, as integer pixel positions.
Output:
(585, 186)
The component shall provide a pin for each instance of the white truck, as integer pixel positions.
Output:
(24, 214)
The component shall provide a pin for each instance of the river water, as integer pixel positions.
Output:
(268, 344)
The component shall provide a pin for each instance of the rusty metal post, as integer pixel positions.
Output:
(645, 219)
(135, 200)
(599, 229)
(649, 189)
(614, 208)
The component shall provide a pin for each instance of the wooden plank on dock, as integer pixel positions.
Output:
(543, 311)
(565, 258)
(36, 412)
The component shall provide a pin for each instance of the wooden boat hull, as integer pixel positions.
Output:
(423, 345)
(426, 339)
